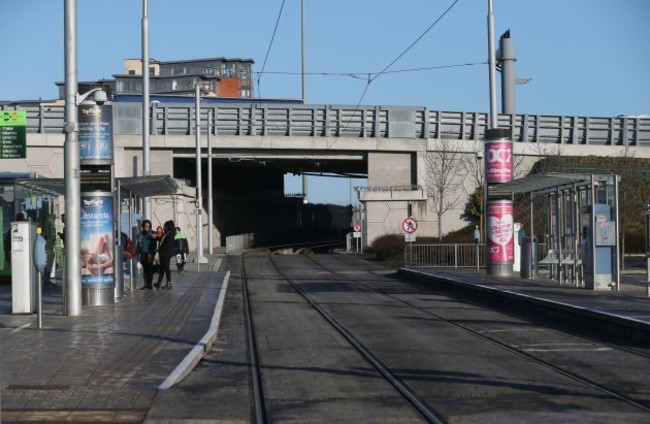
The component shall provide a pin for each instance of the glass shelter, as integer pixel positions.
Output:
(574, 230)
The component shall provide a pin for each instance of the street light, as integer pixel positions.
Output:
(71, 163)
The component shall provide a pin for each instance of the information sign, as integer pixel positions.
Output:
(13, 134)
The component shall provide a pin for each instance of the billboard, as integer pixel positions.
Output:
(498, 161)
(97, 262)
(500, 228)
(95, 133)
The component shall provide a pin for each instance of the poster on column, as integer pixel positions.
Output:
(97, 264)
(498, 161)
(95, 133)
(500, 226)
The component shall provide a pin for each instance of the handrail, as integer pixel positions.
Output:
(351, 121)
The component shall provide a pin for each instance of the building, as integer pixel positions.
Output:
(219, 77)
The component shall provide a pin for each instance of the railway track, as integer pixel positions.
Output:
(393, 293)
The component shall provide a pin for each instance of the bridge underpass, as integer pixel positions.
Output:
(249, 196)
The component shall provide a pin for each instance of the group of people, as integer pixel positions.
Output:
(158, 248)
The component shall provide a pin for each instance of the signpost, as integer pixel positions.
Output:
(356, 235)
(13, 138)
(409, 226)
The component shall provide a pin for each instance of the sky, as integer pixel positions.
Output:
(583, 57)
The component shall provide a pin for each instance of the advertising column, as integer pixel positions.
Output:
(97, 204)
(500, 212)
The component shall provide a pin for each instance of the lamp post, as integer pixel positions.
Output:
(71, 164)
(200, 259)
(146, 159)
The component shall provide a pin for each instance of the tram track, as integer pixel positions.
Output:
(327, 282)
(483, 336)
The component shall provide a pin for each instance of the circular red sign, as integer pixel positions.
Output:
(410, 225)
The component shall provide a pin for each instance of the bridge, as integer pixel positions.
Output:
(253, 145)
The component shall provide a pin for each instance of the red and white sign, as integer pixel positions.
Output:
(500, 227)
(356, 228)
(410, 225)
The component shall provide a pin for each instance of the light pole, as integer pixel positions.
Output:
(200, 259)
(71, 163)
(146, 159)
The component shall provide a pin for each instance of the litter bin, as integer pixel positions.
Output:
(529, 258)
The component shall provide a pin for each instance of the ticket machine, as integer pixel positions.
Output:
(598, 243)
(23, 300)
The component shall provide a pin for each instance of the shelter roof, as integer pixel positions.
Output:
(153, 185)
(547, 182)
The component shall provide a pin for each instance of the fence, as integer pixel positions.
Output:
(351, 121)
(456, 255)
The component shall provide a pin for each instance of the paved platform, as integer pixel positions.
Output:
(626, 310)
(107, 364)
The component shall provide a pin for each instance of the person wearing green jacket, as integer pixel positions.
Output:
(182, 248)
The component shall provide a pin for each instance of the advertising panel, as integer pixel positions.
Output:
(95, 133)
(498, 161)
(500, 227)
(97, 262)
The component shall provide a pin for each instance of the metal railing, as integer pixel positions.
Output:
(350, 121)
(453, 255)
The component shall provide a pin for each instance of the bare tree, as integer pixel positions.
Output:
(445, 172)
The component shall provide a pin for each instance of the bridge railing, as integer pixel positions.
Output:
(350, 121)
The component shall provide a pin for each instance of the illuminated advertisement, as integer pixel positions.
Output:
(95, 133)
(500, 227)
(97, 262)
(498, 161)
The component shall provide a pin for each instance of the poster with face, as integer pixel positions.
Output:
(500, 227)
(97, 262)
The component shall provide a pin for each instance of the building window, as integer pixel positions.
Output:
(229, 70)
(131, 71)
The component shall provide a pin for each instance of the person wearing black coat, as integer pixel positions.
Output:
(166, 253)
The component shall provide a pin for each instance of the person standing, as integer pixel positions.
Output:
(146, 244)
(182, 248)
(166, 252)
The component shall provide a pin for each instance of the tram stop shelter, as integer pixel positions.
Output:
(129, 191)
(580, 226)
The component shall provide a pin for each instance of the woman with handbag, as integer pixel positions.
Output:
(146, 244)
(166, 253)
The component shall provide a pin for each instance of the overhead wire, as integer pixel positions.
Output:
(268, 50)
(385, 69)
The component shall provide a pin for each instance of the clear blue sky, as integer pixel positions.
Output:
(585, 57)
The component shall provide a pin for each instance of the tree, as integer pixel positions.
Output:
(444, 176)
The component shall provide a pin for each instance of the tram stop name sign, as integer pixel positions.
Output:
(13, 134)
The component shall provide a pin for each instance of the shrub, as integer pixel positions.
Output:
(388, 247)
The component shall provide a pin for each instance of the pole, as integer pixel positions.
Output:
(199, 196)
(71, 165)
(492, 68)
(210, 199)
(146, 159)
(302, 46)
(507, 58)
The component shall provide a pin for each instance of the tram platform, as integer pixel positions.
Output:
(109, 363)
(625, 312)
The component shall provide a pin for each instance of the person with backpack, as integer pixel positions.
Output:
(146, 245)
(166, 252)
(182, 248)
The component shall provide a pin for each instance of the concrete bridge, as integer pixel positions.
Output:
(396, 148)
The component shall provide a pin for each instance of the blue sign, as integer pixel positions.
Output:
(97, 261)
(95, 133)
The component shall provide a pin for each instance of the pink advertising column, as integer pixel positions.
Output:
(500, 211)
